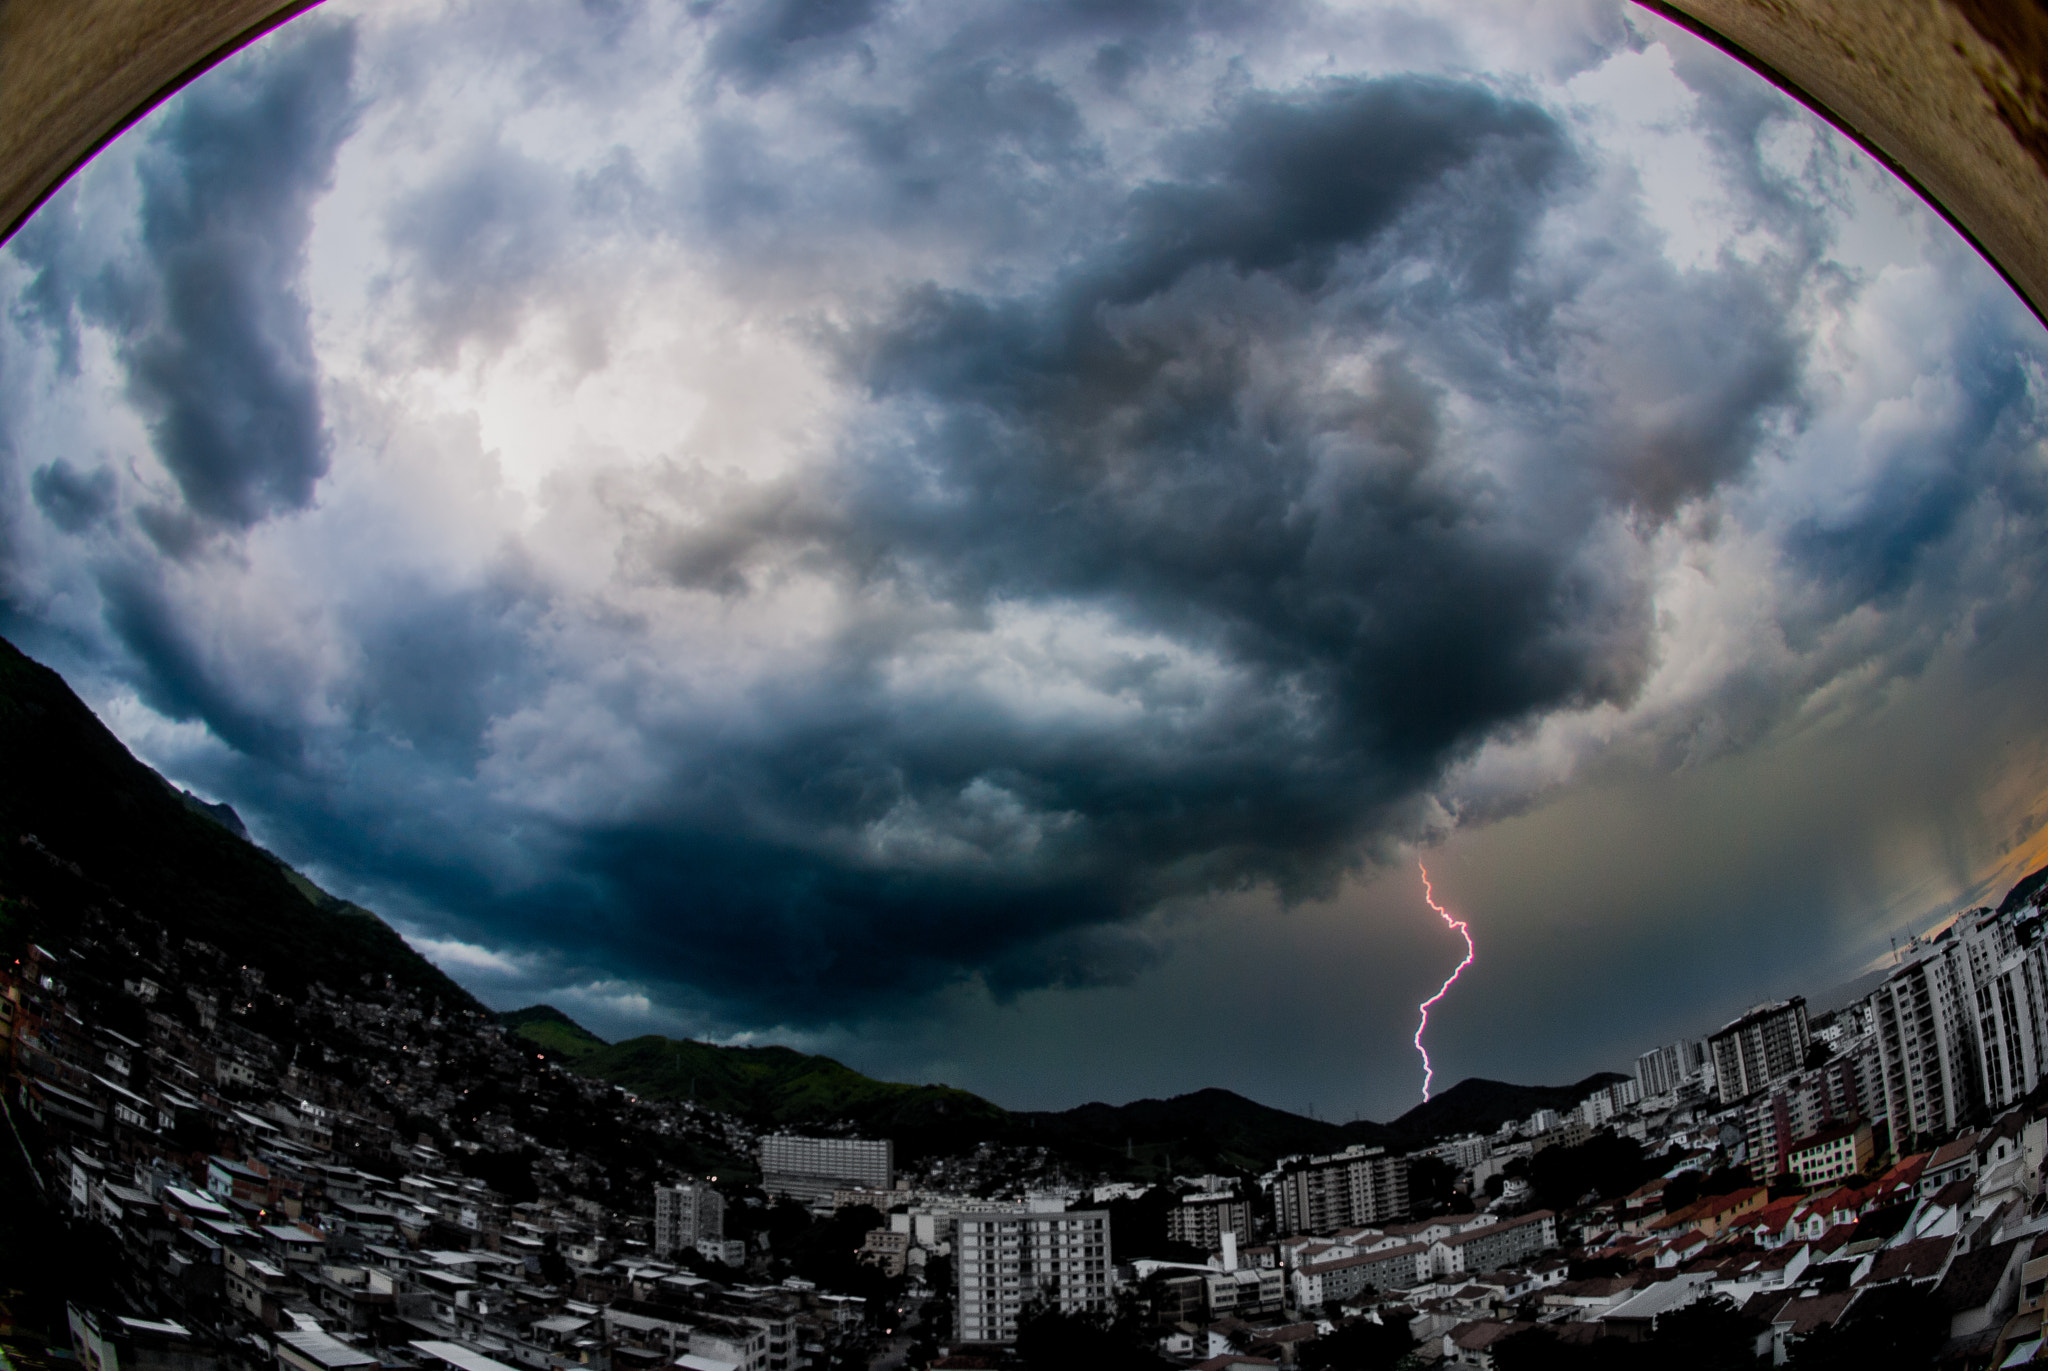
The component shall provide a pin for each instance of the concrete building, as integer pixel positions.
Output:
(1962, 1027)
(1765, 1045)
(1849, 1086)
(811, 1169)
(1202, 1220)
(686, 1215)
(1008, 1257)
(1659, 1070)
(1319, 1284)
(1359, 1185)
(1832, 1155)
(1493, 1246)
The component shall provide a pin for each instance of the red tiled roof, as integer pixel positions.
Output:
(1950, 1153)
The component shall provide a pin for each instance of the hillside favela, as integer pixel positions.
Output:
(249, 1128)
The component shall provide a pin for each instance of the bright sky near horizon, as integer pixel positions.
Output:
(982, 538)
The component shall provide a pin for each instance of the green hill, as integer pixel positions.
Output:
(81, 818)
(770, 1087)
(549, 1028)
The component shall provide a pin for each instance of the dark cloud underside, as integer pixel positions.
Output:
(1215, 459)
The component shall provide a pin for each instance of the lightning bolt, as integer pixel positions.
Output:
(1429, 894)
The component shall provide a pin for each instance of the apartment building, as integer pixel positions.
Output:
(1360, 1185)
(811, 1169)
(1202, 1220)
(686, 1215)
(1960, 1026)
(1765, 1045)
(1006, 1258)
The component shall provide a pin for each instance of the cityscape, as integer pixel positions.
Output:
(218, 1164)
(1023, 685)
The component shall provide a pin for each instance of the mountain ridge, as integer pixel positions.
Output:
(1207, 1129)
(82, 818)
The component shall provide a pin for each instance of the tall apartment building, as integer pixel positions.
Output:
(810, 1169)
(1008, 1257)
(685, 1215)
(1960, 1027)
(1848, 1087)
(1203, 1220)
(1765, 1045)
(1663, 1070)
(1359, 1185)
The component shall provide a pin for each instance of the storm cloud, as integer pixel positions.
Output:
(794, 513)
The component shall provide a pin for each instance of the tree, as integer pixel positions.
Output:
(1898, 1325)
(1359, 1346)
(1049, 1340)
(1140, 1228)
(1606, 1164)
(1430, 1185)
(1711, 1335)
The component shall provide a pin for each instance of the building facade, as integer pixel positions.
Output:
(1202, 1220)
(1849, 1086)
(685, 1215)
(811, 1169)
(1007, 1258)
(1360, 1185)
(1960, 1027)
(1834, 1154)
(1494, 1245)
(1763, 1046)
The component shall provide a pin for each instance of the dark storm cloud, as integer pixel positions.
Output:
(74, 500)
(757, 43)
(1924, 482)
(1310, 457)
(439, 666)
(216, 340)
(175, 678)
(1128, 441)
(1141, 441)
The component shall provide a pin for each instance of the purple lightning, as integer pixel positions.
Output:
(1429, 894)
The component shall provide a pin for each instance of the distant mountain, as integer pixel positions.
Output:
(2024, 891)
(82, 820)
(1481, 1106)
(1208, 1131)
(222, 814)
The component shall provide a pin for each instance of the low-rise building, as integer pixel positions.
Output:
(1833, 1154)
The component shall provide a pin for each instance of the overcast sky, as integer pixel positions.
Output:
(986, 539)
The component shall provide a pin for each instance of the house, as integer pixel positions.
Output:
(1635, 1318)
(1472, 1344)
(1980, 1289)
(1956, 1161)
(302, 1349)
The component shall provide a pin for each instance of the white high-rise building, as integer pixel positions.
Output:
(1009, 1257)
(685, 1215)
(1767, 1044)
(1657, 1071)
(810, 1169)
(1960, 1027)
(1358, 1185)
